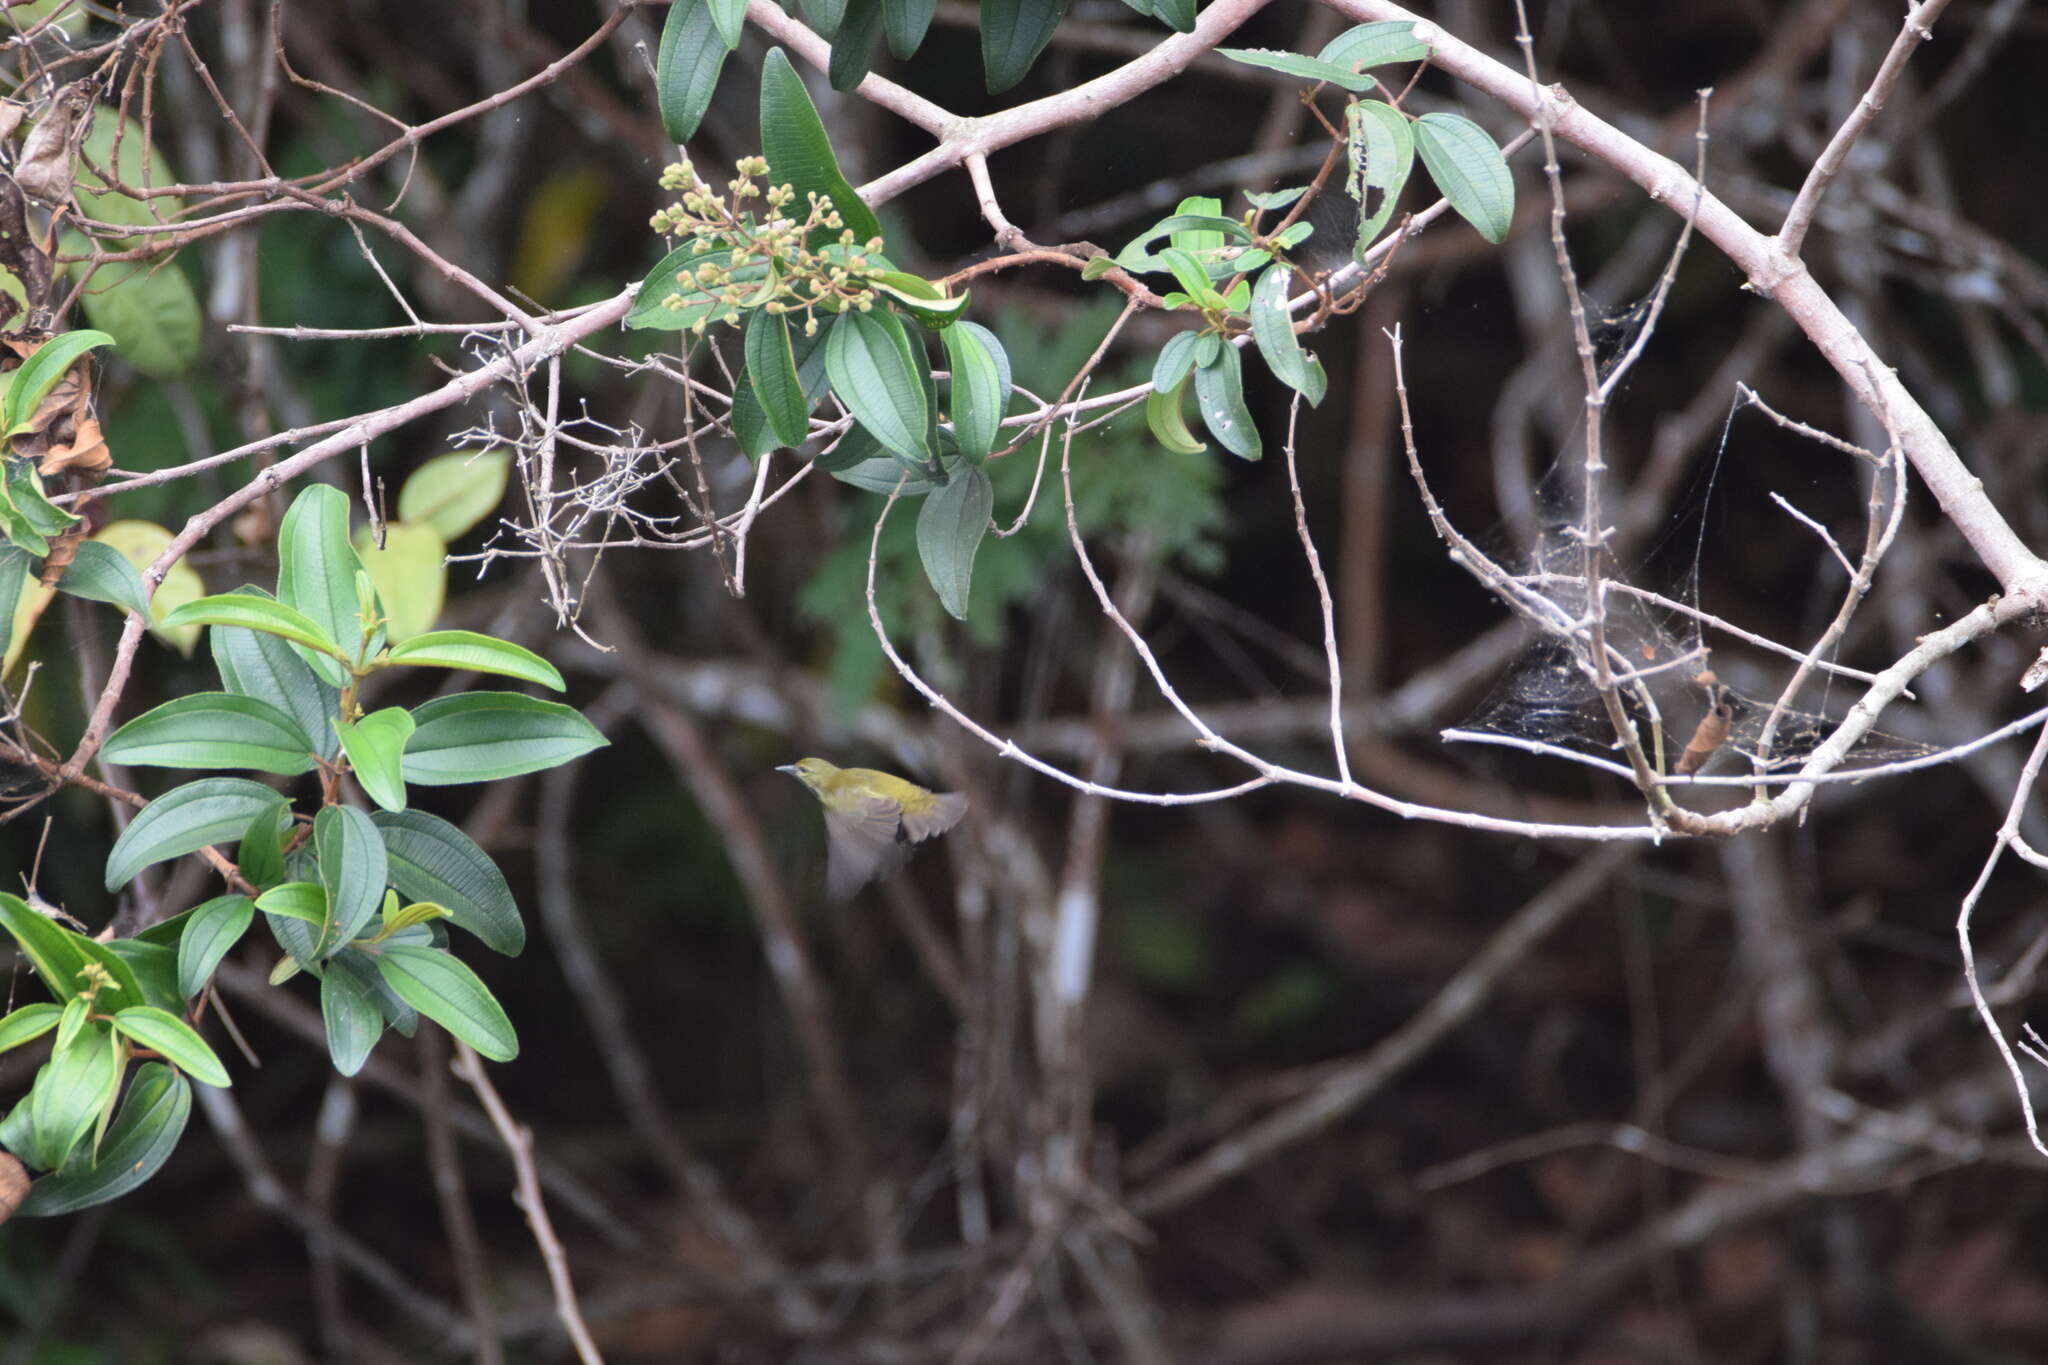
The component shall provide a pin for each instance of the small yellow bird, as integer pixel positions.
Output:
(871, 820)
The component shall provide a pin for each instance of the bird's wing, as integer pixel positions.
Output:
(863, 841)
(946, 810)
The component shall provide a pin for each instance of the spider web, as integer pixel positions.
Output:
(1658, 650)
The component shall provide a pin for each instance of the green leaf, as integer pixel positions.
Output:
(251, 612)
(141, 1139)
(482, 736)
(470, 652)
(444, 990)
(316, 576)
(71, 1021)
(101, 573)
(932, 307)
(1192, 277)
(853, 45)
(1470, 171)
(1176, 358)
(375, 746)
(671, 280)
(1136, 257)
(49, 947)
(260, 665)
(38, 374)
(165, 1033)
(1375, 44)
(882, 474)
(1302, 68)
(1169, 423)
(906, 21)
(140, 543)
(31, 518)
(1382, 153)
(410, 575)
(1273, 330)
(261, 853)
(949, 530)
(125, 989)
(692, 53)
(980, 387)
(772, 377)
(800, 155)
(1219, 391)
(1178, 15)
(215, 928)
(731, 18)
(354, 1023)
(302, 901)
(1013, 33)
(14, 562)
(825, 16)
(214, 810)
(121, 145)
(72, 1090)
(151, 311)
(154, 967)
(1278, 199)
(28, 1023)
(453, 492)
(353, 871)
(872, 369)
(214, 730)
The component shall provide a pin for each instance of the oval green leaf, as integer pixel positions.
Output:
(1219, 392)
(251, 612)
(353, 871)
(438, 986)
(214, 928)
(303, 901)
(214, 810)
(906, 22)
(214, 730)
(979, 389)
(410, 575)
(375, 746)
(141, 1138)
(1299, 67)
(1013, 33)
(772, 377)
(950, 526)
(482, 736)
(28, 1023)
(39, 374)
(470, 652)
(1375, 44)
(1470, 171)
(800, 155)
(873, 370)
(316, 576)
(1273, 330)
(71, 1091)
(453, 492)
(432, 860)
(101, 573)
(354, 1023)
(1176, 358)
(1382, 153)
(1169, 423)
(164, 1032)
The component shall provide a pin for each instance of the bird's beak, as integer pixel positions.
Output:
(789, 768)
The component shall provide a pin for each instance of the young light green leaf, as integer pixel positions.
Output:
(1219, 391)
(438, 986)
(151, 311)
(1301, 68)
(1136, 255)
(470, 652)
(905, 21)
(1192, 278)
(214, 810)
(29, 1023)
(1375, 44)
(453, 492)
(1169, 423)
(933, 308)
(410, 574)
(1278, 199)
(302, 901)
(214, 730)
(141, 1138)
(980, 387)
(214, 928)
(316, 576)
(354, 1023)
(38, 374)
(375, 746)
(1176, 358)
(482, 736)
(71, 1021)
(50, 948)
(1470, 171)
(353, 871)
(800, 155)
(433, 860)
(101, 573)
(251, 612)
(772, 377)
(1382, 152)
(165, 1033)
(1013, 33)
(874, 372)
(692, 53)
(1273, 330)
(31, 517)
(950, 526)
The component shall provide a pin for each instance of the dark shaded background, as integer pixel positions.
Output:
(1821, 1159)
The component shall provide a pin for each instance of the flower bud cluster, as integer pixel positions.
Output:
(737, 242)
